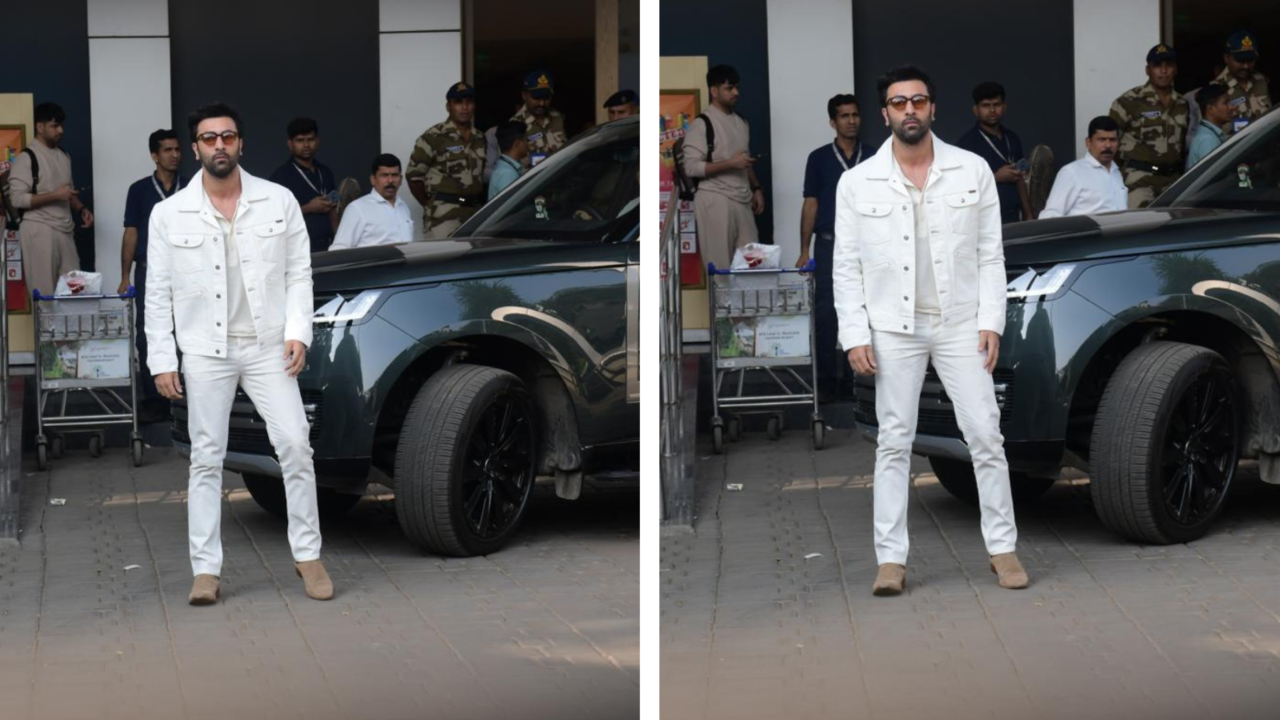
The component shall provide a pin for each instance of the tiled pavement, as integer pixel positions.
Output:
(752, 628)
(547, 628)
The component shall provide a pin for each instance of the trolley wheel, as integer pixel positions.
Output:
(56, 447)
(775, 427)
(95, 446)
(42, 456)
(735, 429)
(717, 438)
(137, 452)
(819, 434)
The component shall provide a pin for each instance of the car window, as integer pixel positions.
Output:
(582, 197)
(1243, 175)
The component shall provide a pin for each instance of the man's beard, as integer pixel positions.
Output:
(220, 173)
(912, 136)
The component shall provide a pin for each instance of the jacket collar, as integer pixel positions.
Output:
(191, 197)
(880, 165)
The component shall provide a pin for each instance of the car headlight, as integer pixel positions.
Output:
(340, 309)
(1038, 282)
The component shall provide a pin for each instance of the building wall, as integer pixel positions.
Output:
(1111, 42)
(732, 32)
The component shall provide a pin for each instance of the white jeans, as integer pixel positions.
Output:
(210, 385)
(901, 360)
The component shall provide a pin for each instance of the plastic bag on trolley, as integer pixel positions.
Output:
(757, 256)
(78, 282)
(768, 287)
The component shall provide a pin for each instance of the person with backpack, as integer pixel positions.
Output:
(716, 158)
(44, 195)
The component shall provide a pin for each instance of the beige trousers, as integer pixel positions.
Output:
(47, 254)
(724, 225)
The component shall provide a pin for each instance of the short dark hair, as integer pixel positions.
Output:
(384, 160)
(1106, 123)
(903, 74)
(1208, 95)
(47, 111)
(213, 110)
(158, 137)
(833, 105)
(988, 91)
(721, 74)
(508, 133)
(302, 126)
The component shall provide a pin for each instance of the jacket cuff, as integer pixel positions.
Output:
(992, 323)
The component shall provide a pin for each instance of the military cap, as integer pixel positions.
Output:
(622, 97)
(1161, 53)
(539, 84)
(1243, 46)
(460, 91)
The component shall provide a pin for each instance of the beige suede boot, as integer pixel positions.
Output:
(204, 591)
(1009, 571)
(890, 580)
(317, 581)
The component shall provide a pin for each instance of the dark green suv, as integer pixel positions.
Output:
(1140, 347)
(457, 371)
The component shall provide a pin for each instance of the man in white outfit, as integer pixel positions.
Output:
(919, 275)
(229, 276)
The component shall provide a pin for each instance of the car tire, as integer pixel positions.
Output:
(469, 441)
(268, 492)
(958, 478)
(1168, 419)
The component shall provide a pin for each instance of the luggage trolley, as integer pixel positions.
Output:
(762, 324)
(81, 349)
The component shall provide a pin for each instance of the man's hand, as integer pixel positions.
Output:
(86, 217)
(1007, 174)
(757, 201)
(124, 287)
(295, 357)
(169, 385)
(802, 260)
(64, 193)
(863, 360)
(318, 205)
(989, 343)
(741, 161)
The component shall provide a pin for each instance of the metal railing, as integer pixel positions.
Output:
(677, 485)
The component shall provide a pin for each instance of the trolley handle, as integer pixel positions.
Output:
(129, 294)
(810, 267)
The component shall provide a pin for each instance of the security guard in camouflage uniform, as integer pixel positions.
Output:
(446, 166)
(1153, 129)
(1248, 89)
(544, 125)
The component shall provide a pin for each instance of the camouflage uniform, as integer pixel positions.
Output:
(449, 165)
(1150, 135)
(545, 136)
(1250, 102)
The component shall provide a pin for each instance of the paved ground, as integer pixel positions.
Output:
(751, 628)
(545, 629)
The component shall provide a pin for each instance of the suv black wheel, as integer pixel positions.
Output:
(1166, 443)
(268, 492)
(958, 478)
(466, 460)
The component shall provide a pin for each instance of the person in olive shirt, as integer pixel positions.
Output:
(1153, 129)
(446, 167)
(311, 183)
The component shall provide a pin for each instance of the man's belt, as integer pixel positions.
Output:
(1152, 168)
(464, 200)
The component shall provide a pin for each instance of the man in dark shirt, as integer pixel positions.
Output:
(818, 216)
(311, 182)
(1002, 149)
(144, 195)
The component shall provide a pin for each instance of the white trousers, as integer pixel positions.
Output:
(901, 360)
(210, 385)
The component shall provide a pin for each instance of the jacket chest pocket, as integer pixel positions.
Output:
(962, 212)
(187, 252)
(875, 226)
(268, 243)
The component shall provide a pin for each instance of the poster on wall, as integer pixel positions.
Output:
(12, 142)
(678, 108)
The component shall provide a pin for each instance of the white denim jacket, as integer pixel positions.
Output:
(187, 272)
(873, 267)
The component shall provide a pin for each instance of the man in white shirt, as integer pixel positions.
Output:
(918, 276)
(378, 218)
(1094, 183)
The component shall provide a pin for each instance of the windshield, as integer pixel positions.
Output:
(586, 192)
(1243, 174)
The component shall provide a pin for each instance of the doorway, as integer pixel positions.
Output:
(1198, 29)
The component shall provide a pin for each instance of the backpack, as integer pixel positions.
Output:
(12, 215)
(686, 185)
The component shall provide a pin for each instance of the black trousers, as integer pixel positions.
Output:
(826, 325)
(146, 384)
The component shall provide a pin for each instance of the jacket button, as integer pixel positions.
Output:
(904, 327)
(217, 267)
(906, 267)
(217, 352)
(937, 262)
(218, 324)
(219, 297)
(906, 237)
(904, 297)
